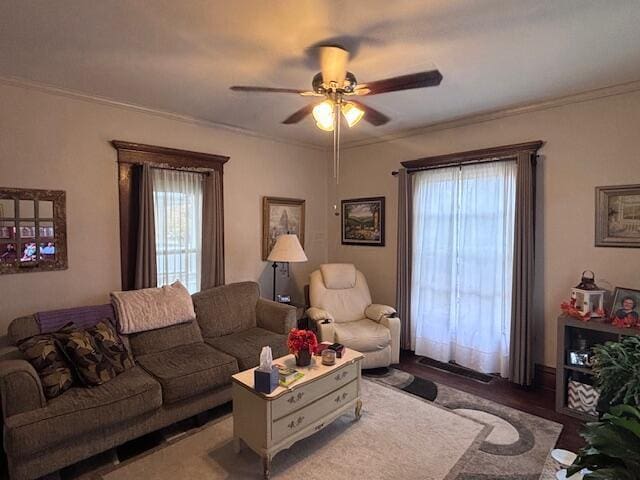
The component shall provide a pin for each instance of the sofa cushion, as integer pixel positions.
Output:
(189, 370)
(81, 411)
(246, 346)
(226, 309)
(22, 328)
(162, 339)
(46, 357)
(363, 335)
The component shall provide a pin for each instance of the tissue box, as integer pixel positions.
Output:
(266, 382)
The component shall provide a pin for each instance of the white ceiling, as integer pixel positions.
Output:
(181, 56)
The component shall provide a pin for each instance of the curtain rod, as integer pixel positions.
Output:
(201, 172)
(165, 166)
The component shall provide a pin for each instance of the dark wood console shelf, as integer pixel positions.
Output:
(597, 331)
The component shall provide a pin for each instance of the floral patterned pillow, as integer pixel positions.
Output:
(111, 345)
(91, 365)
(43, 352)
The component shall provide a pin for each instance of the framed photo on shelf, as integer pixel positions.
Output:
(281, 216)
(363, 221)
(618, 216)
(625, 311)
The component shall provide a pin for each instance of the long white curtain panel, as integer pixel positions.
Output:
(463, 220)
(178, 221)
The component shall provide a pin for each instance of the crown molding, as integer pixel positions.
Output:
(556, 102)
(586, 96)
(77, 95)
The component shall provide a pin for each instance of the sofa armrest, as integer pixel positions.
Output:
(274, 316)
(377, 312)
(20, 388)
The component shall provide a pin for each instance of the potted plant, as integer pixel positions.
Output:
(613, 446)
(302, 343)
(616, 367)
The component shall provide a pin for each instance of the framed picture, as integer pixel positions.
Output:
(363, 221)
(281, 216)
(625, 310)
(33, 230)
(618, 216)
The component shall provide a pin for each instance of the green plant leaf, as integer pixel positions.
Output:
(627, 423)
(611, 474)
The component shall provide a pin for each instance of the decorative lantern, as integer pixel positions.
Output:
(587, 296)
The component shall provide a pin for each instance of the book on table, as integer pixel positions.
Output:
(288, 375)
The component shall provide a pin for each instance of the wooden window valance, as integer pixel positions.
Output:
(504, 152)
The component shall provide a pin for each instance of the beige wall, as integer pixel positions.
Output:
(586, 144)
(56, 142)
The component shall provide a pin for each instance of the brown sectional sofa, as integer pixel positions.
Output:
(180, 371)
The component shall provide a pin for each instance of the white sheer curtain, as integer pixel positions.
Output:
(177, 197)
(463, 219)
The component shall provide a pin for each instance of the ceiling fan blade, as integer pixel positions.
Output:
(333, 63)
(431, 78)
(237, 88)
(371, 115)
(298, 115)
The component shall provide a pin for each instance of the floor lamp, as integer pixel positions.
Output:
(287, 249)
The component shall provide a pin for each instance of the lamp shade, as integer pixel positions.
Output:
(287, 249)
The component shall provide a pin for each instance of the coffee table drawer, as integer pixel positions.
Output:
(296, 421)
(305, 394)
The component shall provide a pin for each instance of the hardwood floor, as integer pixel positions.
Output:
(535, 401)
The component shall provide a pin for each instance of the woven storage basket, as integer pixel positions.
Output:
(582, 397)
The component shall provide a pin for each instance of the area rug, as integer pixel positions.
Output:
(517, 446)
(398, 437)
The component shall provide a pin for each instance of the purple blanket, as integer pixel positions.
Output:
(83, 317)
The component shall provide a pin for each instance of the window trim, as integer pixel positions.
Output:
(131, 155)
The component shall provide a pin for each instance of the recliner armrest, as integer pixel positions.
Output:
(274, 316)
(377, 312)
(20, 388)
(317, 314)
(325, 329)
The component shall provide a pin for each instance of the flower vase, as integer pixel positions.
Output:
(303, 358)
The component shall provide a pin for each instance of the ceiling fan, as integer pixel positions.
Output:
(339, 88)
(335, 83)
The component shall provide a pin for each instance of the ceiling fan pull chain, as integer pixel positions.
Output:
(337, 130)
(335, 142)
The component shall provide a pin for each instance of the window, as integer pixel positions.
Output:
(463, 231)
(186, 202)
(177, 198)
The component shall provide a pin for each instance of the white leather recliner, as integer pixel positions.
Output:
(342, 311)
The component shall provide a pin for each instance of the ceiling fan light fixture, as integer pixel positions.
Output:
(352, 113)
(323, 115)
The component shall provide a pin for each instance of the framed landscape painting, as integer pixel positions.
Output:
(618, 216)
(363, 221)
(281, 216)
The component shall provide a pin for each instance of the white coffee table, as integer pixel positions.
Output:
(270, 423)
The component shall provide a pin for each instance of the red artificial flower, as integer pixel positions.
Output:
(569, 308)
(302, 340)
(626, 322)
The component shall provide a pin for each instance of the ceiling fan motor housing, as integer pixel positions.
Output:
(320, 87)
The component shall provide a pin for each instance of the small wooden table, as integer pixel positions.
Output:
(270, 423)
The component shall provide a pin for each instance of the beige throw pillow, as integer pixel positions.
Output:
(152, 308)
